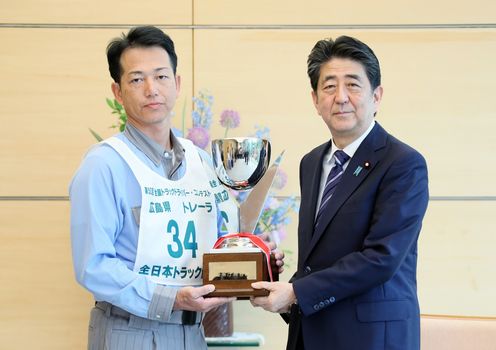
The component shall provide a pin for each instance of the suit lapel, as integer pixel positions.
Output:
(311, 183)
(355, 174)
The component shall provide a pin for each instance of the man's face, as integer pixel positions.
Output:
(345, 100)
(148, 88)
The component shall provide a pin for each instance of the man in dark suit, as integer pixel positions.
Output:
(355, 287)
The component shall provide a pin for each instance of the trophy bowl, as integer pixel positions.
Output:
(240, 162)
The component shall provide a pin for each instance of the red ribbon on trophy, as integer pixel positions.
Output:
(257, 241)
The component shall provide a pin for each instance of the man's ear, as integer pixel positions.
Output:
(116, 89)
(178, 84)
(378, 96)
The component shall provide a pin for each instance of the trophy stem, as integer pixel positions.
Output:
(218, 322)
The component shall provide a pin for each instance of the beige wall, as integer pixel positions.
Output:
(438, 75)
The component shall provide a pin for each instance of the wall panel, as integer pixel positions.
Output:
(322, 12)
(436, 88)
(57, 84)
(457, 263)
(42, 305)
(102, 12)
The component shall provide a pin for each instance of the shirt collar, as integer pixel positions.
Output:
(352, 147)
(154, 151)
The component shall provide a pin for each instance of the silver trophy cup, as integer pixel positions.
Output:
(240, 162)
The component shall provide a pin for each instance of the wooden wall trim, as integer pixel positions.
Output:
(258, 26)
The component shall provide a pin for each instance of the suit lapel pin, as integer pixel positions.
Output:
(357, 170)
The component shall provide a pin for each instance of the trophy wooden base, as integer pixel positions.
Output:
(232, 273)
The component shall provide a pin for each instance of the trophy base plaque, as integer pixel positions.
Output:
(232, 272)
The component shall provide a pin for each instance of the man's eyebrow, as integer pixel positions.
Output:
(354, 76)
(328, 77)
(349, 76)
(162, 68)
(139, 72)
(135, 72)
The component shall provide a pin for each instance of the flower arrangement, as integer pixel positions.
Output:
(275, 214)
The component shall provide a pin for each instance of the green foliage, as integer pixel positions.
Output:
(121, 114)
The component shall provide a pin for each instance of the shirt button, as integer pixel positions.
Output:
(321, 304)
(332, 299)
(308, 269)
(315, 307)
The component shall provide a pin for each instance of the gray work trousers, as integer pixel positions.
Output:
(112, 328)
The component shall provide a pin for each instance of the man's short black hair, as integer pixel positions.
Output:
(144, 36)
(343, 47)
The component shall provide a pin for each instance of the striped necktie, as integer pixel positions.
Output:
(332, 181)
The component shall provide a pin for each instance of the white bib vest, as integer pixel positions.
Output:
(229, 209)
(178, 220)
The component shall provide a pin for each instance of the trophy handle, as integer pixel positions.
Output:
(251, 209)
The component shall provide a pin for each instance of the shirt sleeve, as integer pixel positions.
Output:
(162, 303)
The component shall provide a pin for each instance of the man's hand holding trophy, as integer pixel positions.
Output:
(239, 259)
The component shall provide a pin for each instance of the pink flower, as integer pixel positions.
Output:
(199, 136)
(229, 119)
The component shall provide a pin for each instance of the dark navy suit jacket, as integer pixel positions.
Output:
(356, 279)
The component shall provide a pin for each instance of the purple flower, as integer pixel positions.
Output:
(199, 136)
(229, 118)
(280, 180)
(279, 234)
